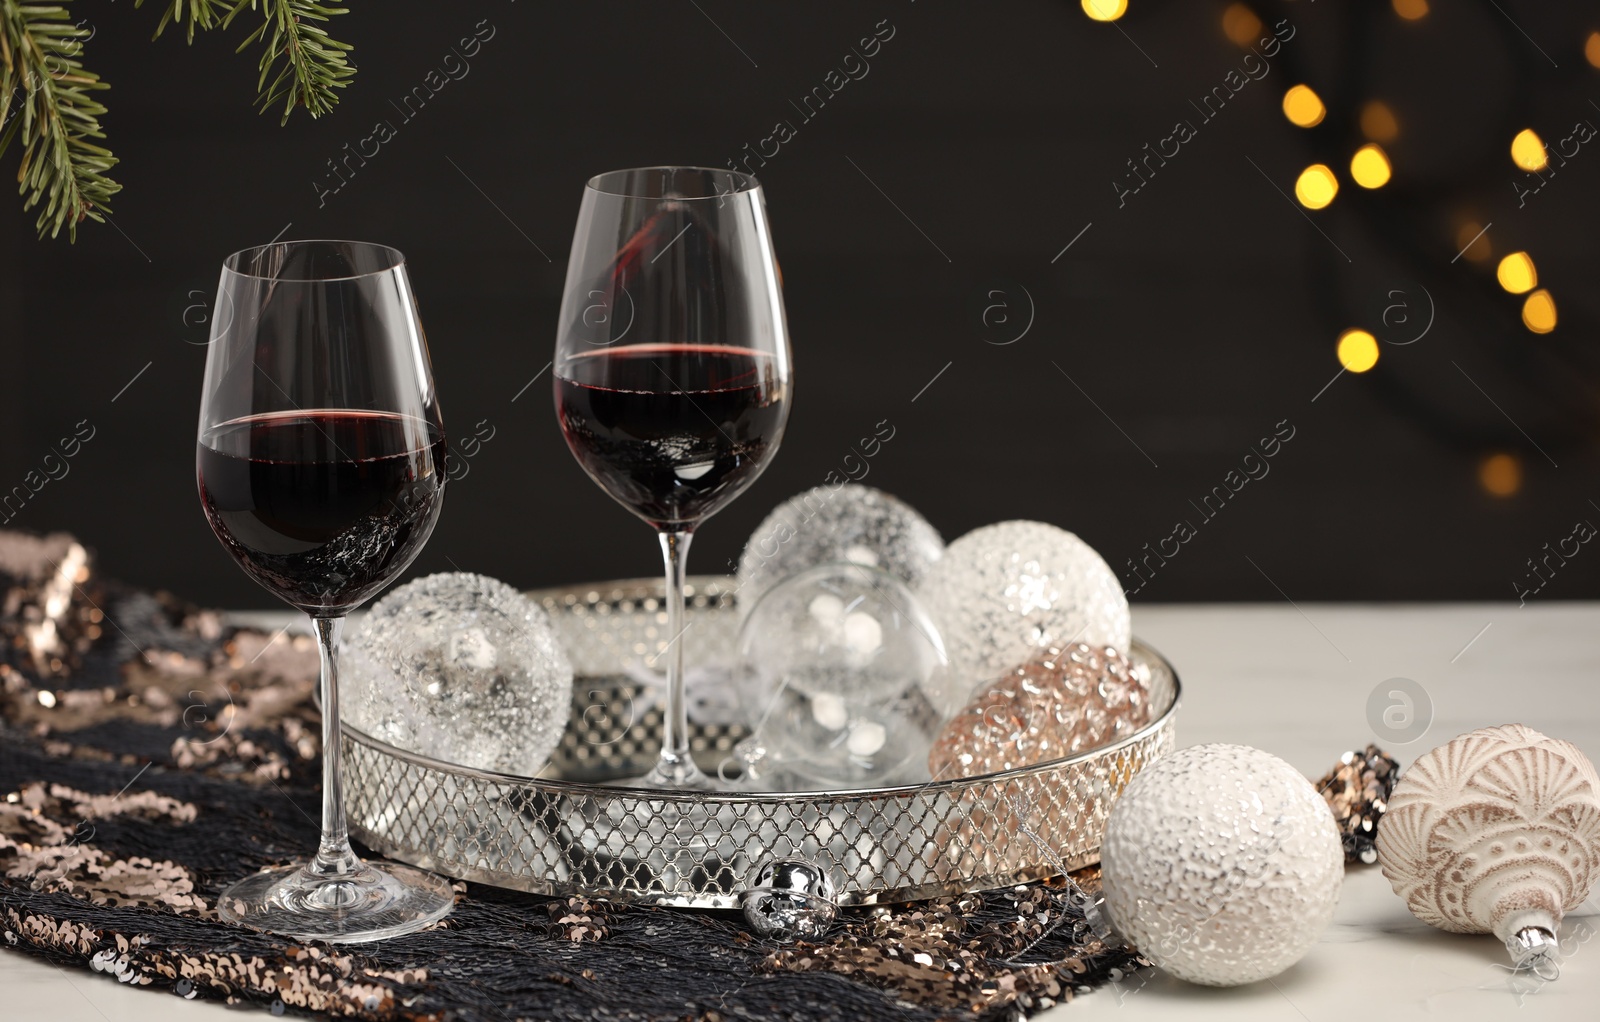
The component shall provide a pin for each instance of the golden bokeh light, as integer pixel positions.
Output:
(1472, 241)
(1378, 122)
(1539, 312)
(1591, 49)
(1517, 273)
(1316, 186)
(1500, 474)
(1105, 10)
(1240, 24)
(1370, 166)
(1411, 10)
(1303, 107)
(1527, 150)
(1358, 350)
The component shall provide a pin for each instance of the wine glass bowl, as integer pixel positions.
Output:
(321, 469)
(672, 377)
(322, 507)
(671, 432)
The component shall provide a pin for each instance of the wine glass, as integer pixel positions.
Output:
(321, 465)
(672, 369)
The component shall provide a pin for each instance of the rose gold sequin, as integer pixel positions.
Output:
(47, 838)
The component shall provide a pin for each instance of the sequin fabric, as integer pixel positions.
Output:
(1017, 949)
(150, 754)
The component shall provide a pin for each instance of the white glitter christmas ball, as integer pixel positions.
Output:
(462, 668)
(832, 664)
(1222, 864)
(824, 525)
(1005, 591)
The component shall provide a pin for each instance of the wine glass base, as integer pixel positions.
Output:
(370, 904)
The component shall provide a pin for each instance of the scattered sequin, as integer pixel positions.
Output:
(1358, 790)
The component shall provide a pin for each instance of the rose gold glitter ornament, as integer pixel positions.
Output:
(1060, 703)
(1497, 831)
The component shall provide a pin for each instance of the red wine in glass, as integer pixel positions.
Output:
(672, 379)
(322, 507)
(673, 432)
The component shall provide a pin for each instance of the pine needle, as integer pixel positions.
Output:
(202, 14)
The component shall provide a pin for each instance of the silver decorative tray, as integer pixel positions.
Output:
(566, 833)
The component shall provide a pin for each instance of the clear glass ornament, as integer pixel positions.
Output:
(1005, 591)
(850, 524)
(462, 668)
(834, 663)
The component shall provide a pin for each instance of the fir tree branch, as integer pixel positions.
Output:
(46, 103)
(301, 65)
(47, 106)
(313, 64)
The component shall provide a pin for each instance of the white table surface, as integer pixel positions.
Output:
(1294, 681)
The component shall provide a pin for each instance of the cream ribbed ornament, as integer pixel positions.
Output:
(1496, 831)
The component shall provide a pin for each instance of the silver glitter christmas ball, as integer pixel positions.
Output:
(1222, 864)
(789, 898)
(1003, 592)
(851, 523)
(833, 667)
(462, 668)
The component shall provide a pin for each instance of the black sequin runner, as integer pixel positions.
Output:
(150, 755)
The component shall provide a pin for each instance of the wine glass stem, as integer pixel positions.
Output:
(334, 855)
(675, 765)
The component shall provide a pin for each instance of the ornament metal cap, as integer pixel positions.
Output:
(1094, 911)
(1534, 948)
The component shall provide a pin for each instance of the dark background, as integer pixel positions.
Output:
(1190, 322)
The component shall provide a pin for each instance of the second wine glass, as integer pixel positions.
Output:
(672, 377)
